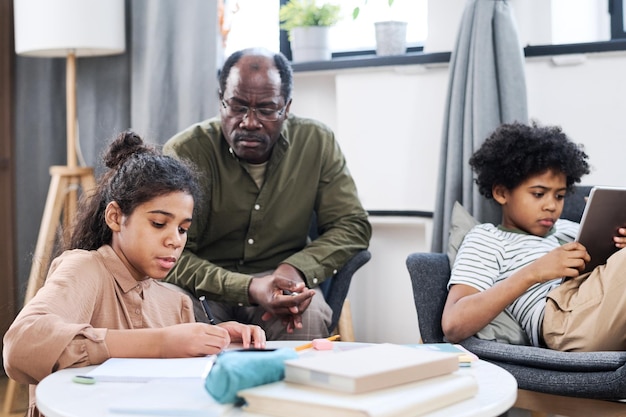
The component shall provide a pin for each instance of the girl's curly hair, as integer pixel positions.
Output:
(515, 151)
(137, 173)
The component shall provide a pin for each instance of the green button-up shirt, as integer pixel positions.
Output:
(239, 229)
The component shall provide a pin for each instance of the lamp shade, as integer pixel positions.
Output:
(55, 28)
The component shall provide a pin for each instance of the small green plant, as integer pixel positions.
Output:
(357, 9)
(298, 13)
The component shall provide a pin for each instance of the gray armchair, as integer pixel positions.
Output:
(566, 383)
(335, 289)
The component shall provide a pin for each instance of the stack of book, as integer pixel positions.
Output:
(372, 381)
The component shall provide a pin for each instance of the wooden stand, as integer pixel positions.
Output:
(62, 200)
(344, 327)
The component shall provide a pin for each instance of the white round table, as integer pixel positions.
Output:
(58, 396)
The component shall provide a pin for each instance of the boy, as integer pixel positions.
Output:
(530, 264)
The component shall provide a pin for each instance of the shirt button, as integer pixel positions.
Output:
(240, 304)
(137, 311)
(314, 280)
(334, 271)
(250, 241)
(257, 207)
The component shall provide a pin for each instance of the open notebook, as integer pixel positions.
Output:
(148, 369)
(604, 213)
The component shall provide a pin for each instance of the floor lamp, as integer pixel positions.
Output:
(69, 29)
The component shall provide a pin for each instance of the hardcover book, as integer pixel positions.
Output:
(369, 368)
(466, 358)
(284, 399)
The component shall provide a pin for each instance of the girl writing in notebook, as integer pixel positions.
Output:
(102, 297)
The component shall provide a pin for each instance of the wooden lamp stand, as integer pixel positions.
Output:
(60, 209)
(62, 194)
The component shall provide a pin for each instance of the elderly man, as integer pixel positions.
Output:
(264, 173)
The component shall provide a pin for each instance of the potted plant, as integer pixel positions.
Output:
(307, 24)
(390, 34)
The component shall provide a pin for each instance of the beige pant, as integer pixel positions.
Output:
(588, 313)
(315, 319)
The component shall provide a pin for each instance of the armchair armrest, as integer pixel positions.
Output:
(597, 375)
(543, 358)
(429, 277)
(336, 290)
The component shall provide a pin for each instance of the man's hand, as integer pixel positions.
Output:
(282, 294)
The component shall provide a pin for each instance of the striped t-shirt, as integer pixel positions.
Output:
(490, 254)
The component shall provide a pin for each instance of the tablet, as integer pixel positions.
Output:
(604, 213)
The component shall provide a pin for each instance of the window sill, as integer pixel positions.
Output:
(417, 58)
(410, 58)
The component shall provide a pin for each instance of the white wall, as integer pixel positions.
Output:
(389, 121)
(586, 96)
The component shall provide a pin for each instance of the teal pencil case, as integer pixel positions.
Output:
(238, 369)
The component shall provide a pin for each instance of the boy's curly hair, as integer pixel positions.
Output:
(514, 152)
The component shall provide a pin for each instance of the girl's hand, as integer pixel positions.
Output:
(193, 339)
(245, 333)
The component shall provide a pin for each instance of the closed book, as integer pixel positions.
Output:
(369, 368)
(284, 399)
(466, 358)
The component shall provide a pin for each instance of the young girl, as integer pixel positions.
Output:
(102, 297)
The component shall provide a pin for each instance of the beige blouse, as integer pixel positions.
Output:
(85, 293)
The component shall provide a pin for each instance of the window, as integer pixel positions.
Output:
(255, 23)
(580, 21)
(358, 34)
(251, 23)
(576, 21)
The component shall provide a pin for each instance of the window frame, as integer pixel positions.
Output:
(616, 11)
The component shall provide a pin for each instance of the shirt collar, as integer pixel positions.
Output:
(119, 271)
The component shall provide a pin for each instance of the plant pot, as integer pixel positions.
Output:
(310, 43)
(390, 38)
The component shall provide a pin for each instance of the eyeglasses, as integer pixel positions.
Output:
(264, 114)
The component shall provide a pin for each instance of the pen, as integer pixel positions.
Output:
(207, 310)
(310, 345)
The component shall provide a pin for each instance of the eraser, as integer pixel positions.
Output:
(84, 379)
(322, 344)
